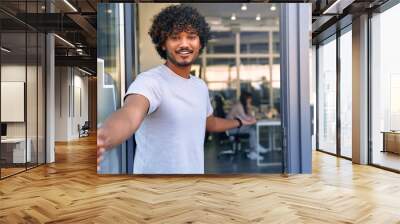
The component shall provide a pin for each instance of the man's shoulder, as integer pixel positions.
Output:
(199, 81)
(152, 73)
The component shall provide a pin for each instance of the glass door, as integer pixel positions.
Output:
(385, 90)
(326, 105)
(346, 93)
(14, 153)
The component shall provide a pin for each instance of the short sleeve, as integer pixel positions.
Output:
(148, 87)
(210, 109)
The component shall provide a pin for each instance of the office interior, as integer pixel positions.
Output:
(243, 55)
(48, 90)
(352, 88)
(356, 82)
(27, 50)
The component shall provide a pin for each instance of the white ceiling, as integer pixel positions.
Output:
(220, 13)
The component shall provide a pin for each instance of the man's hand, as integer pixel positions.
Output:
(101, 146)
(216, 124)
(121, 124)
(249, 121)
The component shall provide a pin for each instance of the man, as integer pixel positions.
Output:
(168, 109)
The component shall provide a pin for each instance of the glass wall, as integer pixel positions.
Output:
(31, 97)
(41, 97)
(385, 89)
(22, 90)
(346, 92)
(334, 94)
(13, 94)
(326, 104)
(313, 93)
(109, 72)
(242, 55)
(237, 60)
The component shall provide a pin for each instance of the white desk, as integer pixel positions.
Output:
(19, 149)
(270, 124)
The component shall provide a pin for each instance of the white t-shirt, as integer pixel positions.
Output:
(170, 139)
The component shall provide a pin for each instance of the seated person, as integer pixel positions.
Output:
(272, 113)
(241, 110)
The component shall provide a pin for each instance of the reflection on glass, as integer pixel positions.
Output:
(23, 85)
(221, 42)
(109, 78)
(385, 85)
(276, 42)
(254, 42)
(31, 98)
(221, 77)
(346, 94)
(327, 97)
(254, 69)
(41, 99)
(263, 79)
(15, 150)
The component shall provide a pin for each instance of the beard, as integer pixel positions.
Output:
(171, 58)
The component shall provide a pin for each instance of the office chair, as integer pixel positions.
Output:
(236, 141)
(234, 138)
(84, 130)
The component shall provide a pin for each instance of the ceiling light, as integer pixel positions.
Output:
(43, 7)
(79, 50)
(233, 17)
(326, 11)
(109, 11)
(64, 40)
(244, 7)
(5, 50)
(338, 6)
(86, 72)
(214, 20)
(273, 8)
(70, 5)
(258, 17)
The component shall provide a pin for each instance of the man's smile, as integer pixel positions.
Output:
(184, 52)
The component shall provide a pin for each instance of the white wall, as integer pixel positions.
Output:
(81, 84)
(15, 72)
(71, 87)
(33, 126)
(61, 103)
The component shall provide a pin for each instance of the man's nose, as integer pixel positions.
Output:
(184, 42)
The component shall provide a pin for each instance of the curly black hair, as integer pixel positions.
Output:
(178, 18)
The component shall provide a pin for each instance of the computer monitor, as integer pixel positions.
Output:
(3, 129)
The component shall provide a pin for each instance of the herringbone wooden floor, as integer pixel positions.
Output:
(70, 191)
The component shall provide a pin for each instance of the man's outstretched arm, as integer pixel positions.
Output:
(121, 124)
(216, 124)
